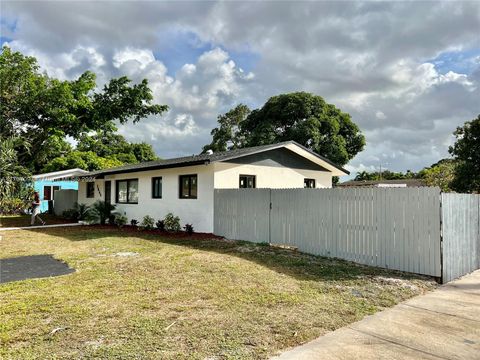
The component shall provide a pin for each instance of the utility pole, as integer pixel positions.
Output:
(381, 173)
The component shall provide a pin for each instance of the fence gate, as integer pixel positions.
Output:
(461, 235)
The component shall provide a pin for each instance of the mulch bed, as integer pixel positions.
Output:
(174, 235)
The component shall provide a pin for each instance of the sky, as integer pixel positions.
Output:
(407, 72)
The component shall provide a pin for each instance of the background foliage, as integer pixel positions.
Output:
(300, 116)
(44, 111)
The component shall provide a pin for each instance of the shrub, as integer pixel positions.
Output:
(160, 224)
(172, 223)
(100, 212)
(188, 228)
(147, 223)
(134, 222)
(120, 220)
(14, 206)
(77, 213)
(70, 214)
(82, 211)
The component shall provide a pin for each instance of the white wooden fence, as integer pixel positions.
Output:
(393, 228)
(461, 234)
(64, 200)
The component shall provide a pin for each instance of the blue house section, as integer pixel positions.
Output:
(46, 190)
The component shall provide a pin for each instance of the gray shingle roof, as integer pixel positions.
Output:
(202, 159)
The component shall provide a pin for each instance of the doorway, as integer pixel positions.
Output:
(108, 192)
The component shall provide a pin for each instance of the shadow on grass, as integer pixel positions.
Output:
(24, 220)
(289, 262)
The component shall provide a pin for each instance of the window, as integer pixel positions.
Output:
(247, 182)
(309, 183)
(188, 186)
(157, 187)
(47, 193)
(90, 189)
(127, 191)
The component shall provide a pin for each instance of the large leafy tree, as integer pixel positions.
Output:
(300, 116)
(86, 160)
(101, 150)
(43, 110)
(440, 174)
(227, 135)
(466, 152)
(114, 146)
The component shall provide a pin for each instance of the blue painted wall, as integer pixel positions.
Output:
(39, 186)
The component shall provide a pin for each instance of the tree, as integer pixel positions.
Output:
(111, 145)
(86, 160)
(302, 117)
(440, 174)
(14, 178)
(466, 151)
(43, 110)
(385, 175)
(227, 135)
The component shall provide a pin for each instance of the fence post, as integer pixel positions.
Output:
(270, 217)
(441, 239)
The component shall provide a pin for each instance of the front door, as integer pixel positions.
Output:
(108, 192)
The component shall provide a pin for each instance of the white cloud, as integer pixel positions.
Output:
(370, 59)
(138, 57)
(380, 115)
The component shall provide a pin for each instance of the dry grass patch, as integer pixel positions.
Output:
(181, 298)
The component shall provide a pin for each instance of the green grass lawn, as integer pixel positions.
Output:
(181, 298)
(24, 220)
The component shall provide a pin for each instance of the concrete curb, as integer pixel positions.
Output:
(39, 227)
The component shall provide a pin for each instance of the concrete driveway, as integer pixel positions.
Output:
(443, 324)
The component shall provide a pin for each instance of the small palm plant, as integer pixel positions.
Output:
(100, 211)
(82, 211)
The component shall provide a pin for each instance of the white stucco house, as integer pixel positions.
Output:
(185, 186)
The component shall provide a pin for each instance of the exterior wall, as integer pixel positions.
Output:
(39, 184)
(227, 176)
(82, 192)
(198, 212)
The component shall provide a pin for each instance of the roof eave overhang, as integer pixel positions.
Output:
(149, 168)
(302, 151)
(320, 160)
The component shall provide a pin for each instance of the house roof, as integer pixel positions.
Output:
(218, 157)
(63, 174)
(407, 182)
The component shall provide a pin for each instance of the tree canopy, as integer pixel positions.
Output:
(300, 116)
(385, 175)
(440, 174)
(466, 152)
(100, 151)
(227, 135)
(44, 111)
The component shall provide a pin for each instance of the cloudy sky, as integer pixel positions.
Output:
(407, 72)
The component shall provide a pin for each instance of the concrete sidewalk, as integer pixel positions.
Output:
(38, 227)
(443, 324)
